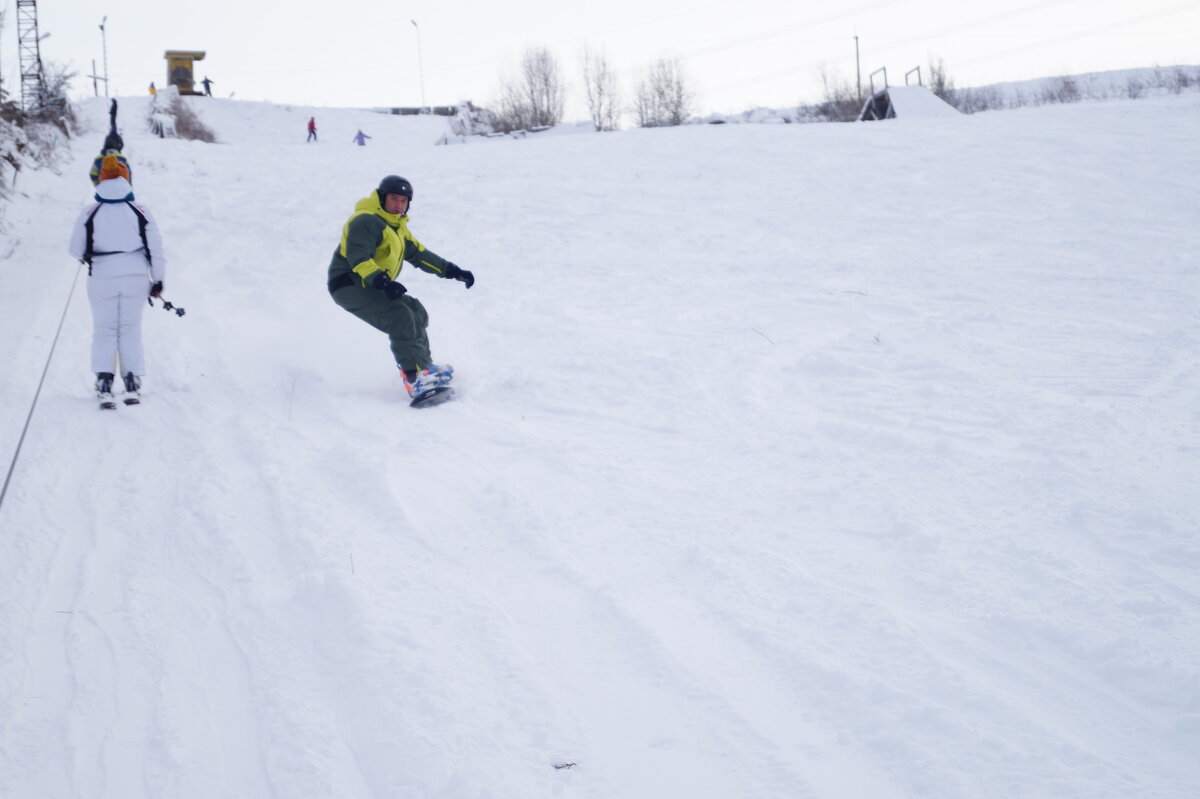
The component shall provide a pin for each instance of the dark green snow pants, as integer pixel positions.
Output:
(404, 320)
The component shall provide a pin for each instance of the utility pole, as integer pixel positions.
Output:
(857, 69)
(420, 64)
(104, 45)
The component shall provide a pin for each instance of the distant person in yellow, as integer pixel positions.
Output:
(153, 91)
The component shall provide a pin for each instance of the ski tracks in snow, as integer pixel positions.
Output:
(892, 508)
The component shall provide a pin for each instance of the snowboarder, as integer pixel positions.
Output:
(362, 280)
(120, 243)
(207, 86)
(312, 129)
(360, 138)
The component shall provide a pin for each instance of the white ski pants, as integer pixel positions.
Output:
(117, 306)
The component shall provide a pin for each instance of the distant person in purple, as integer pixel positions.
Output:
(360, 138)
(312, 129)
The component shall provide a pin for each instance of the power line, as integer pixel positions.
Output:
(1080, 35)
(460, 66)
(773, 32)
(961, 27)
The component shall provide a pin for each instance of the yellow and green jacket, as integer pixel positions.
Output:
(375, 241)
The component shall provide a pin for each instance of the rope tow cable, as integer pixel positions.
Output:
(17, 453)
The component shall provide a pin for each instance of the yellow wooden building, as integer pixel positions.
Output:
(179, 69)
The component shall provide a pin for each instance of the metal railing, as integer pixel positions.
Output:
(871, 78)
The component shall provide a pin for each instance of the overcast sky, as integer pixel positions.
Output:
(737, 54)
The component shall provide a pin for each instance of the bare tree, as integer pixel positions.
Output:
(544, 86)
(55, 105)
(972, 101)
(537, 96)
(514, 113)
(839, 100)
(1062, 89)
(1177, 81)
(600, 85)
(663, 97)
(940, 83)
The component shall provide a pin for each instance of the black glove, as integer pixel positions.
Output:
(391, 288)
(453, 272)
(156, 289)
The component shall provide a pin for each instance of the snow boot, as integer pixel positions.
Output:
(133, 389)
(444, 372)
(104, 384)
(432, 376)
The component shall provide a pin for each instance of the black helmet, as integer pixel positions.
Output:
(394, 184)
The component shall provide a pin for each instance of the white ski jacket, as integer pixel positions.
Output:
(115, 233)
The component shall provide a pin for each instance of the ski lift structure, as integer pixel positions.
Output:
(912, 100)
(33, 78)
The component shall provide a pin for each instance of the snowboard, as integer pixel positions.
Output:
(434, 396)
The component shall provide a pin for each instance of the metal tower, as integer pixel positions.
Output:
(33, 83)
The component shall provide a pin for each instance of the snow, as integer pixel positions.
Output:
(788, 461)
(917, 102)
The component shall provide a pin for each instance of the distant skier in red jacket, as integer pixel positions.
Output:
(312, 129)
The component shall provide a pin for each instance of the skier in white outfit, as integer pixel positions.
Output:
(126, 262)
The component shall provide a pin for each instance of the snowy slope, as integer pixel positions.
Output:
(789, 461)
(917, 102)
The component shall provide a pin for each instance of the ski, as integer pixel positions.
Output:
(434, 396)
(107, 402)
(133, 400)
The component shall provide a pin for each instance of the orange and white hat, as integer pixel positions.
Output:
(111, 168)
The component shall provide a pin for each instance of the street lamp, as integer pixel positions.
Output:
(420, 64)
(104, 44)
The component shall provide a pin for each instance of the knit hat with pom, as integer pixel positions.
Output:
(112, 168)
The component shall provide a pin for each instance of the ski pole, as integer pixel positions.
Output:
(167, 305)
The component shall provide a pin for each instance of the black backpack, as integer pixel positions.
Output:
(89, 226)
